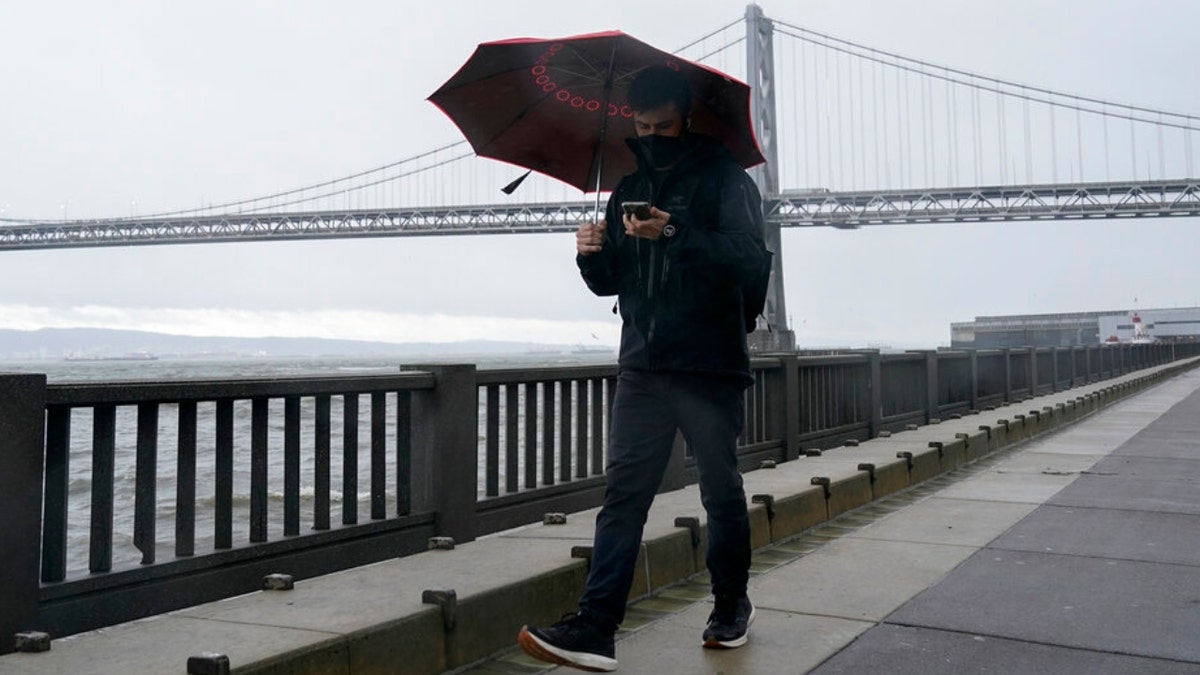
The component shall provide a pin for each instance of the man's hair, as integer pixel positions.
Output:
(657, 86)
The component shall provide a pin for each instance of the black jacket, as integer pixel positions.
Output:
(680, 297)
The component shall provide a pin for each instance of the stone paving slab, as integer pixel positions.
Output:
(1009, 487)
(174, 639)
(1152, 468)
(1107, 492)
(921, 651)
(1109, 533)
(938, 520)
(781, 642)
(857, 579)
(1138, 608)
(1163, 448)
(1049, 463)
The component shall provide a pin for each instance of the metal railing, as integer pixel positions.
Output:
(129, 499)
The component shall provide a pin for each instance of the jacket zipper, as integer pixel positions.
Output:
(650, 288)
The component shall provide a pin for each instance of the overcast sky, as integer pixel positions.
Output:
(132, 107)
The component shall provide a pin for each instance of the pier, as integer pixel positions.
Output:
(829, 438)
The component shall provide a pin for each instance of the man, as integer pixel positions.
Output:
(677, 269)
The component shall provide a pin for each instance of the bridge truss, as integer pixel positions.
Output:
(807, 208)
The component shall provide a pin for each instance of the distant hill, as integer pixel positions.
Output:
(53, 343)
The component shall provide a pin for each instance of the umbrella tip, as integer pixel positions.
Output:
(511, 187)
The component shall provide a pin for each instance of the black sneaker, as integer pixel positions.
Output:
(729, 623)
(573, 641)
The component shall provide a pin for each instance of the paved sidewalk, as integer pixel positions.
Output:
(1074, 553)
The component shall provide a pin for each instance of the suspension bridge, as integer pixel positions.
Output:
(855, 136)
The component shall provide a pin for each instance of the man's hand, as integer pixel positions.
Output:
(650, 228)
(589, 238)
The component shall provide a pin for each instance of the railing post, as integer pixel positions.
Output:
(22, 456)
(1033, 372)
(931, 386)
(1007, 375)
(791, 406)
(875, 392)
(1054, 368)
(974, 365)
(445, 461)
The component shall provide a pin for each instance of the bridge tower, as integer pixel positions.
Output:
(760, 75)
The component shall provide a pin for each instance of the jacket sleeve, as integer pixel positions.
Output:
(601, 270)
(733, 251)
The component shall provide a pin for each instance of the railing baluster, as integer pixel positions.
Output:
(512, 432)
(564, 411)
(581, 429)
(404, 449)
(378, 455)
(146, 481)
(531, 429)
(321, 464)
(291, 466)
(597, 426)
(492, 441)
(259, 456)
(350, 459)
(548, 474)
(185, 485)
(58, 477)
(223, 527)
(104, 432)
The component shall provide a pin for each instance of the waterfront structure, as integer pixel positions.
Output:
(1073, 329)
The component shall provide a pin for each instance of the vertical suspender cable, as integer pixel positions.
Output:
(1187, 151)
(1133, 146)
(1104, 118)
(1001, 114)
(796, 102)
(1028, 144)
(904, 130)
(952, 108)
(841, 119)
(1079, 138)
(1053, 142)
(818, 101)
(926, 128)
(976, 150)
(1162, 157)
(875, 119)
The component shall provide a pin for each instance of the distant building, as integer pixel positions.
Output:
(1080, 328)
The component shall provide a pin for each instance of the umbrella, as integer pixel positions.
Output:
(559, 106)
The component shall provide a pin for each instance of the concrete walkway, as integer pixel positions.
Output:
(1078, 552)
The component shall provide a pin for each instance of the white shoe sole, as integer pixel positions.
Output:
(732, 644)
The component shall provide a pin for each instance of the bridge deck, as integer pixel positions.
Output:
(1070, 552)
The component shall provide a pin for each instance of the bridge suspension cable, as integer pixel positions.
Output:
(993, 84)
(866, 119)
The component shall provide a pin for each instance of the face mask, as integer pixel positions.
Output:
(662, 150)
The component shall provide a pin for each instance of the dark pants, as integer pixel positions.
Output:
(647, 409)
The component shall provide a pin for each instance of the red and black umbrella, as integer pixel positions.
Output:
(560, 107)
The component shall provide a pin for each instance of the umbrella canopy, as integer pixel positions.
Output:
(560, 107)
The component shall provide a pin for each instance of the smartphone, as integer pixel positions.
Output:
(639, 210)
